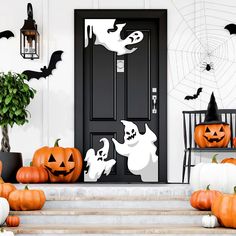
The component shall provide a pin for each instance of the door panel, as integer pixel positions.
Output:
(103, 84)
(138, 80)
(110, 96)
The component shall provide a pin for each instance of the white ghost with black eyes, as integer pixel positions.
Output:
(108, 34)
(140, 150)
(96, 162)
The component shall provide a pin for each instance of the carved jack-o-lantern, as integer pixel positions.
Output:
(63, 164)
(213, 132)
(212, 135)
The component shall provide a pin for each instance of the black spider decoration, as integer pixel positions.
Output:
(207, 66)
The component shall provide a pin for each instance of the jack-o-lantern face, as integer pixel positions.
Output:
(63, 164)
(212, 135)
(60, 166)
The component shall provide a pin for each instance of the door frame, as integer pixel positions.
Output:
(161, 17)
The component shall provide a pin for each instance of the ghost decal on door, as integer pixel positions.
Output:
(140, 150)
(96, 162)
(107, 34)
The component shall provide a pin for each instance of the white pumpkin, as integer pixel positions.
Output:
(4, 210)
(221, 177)
(209, 221)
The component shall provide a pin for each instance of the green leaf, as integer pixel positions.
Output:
(8, 99)
(15, 101)
(18, 112)
(5, 109)
(25, 87)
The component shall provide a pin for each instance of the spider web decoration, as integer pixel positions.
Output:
(200, 40)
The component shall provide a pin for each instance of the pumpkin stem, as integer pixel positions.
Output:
(56, 144)
(26, 187)
(208, 187)
(31, 163)
(214, 160)
(2, 230)
(234, 189)
(1, 180)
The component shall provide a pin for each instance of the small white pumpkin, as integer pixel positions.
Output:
(3, 232)
(209, 221)
(4, 210)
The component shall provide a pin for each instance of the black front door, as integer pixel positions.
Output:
(110, 88)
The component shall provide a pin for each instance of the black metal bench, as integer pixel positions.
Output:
(190, 120)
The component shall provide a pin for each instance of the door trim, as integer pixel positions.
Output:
(161, 17)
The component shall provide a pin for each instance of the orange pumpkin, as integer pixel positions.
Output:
(26, 199)
(234, 142)
(229, 160)
(224, 208)
(63, 164)
(212, 135)
(13, 221)
(1, 180)
(202, 199)
(32, 174)
(6, 189)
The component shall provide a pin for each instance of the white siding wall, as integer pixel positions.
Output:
(52, 111)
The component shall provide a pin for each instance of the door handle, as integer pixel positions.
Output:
(120, 65)
(154, 102)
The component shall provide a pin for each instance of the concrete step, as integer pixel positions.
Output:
(114, 216)
(113, 192)
(136, 229)
(160, 204)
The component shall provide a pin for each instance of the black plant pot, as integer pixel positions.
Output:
(11, 163)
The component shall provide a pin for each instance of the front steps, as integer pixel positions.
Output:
(88, 209)
(111, 216)
(54, 230)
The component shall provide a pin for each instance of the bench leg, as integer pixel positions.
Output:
(184, 166)
(189, 165)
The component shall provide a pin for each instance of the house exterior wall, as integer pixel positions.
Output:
(195, 29)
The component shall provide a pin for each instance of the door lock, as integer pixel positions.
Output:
(154, 101)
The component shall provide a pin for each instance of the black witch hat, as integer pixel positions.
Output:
(212, 114)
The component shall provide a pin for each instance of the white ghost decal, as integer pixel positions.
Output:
(108, 35)
(140, 150)
(97, 164)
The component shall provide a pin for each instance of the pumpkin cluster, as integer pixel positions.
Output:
(18, 200)
(54, 164)
(222, 205)
(221, 176)
(22, 199)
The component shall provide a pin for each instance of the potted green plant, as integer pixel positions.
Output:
(15, 96)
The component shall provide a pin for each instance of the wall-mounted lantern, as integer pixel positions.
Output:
(29, 37)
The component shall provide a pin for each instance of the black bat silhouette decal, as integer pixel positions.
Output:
(45, 72)
(6, 34)
(231, 28)
(194, 96)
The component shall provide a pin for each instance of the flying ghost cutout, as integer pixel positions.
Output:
(108, 35)
(96, 162)
(140, 150)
